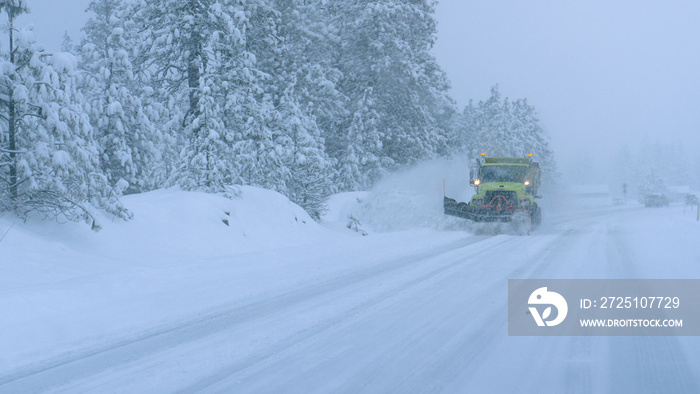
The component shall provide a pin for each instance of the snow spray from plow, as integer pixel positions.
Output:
(410, 199)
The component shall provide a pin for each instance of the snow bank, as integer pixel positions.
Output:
(179, 223)
(63, 285)
(65, 289)
(182, 222)
(412, 198)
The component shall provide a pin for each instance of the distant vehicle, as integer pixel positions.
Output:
(691, 199)
(655, 200)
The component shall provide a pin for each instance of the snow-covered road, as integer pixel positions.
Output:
(418, 311)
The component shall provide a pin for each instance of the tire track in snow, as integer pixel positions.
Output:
(650, 364)
(549, 259)
(74, 367)
(471, 342)
(471, 354)
(447, 264)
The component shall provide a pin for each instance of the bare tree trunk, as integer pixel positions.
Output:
(193, 74)
(12, 125)
(193, 84)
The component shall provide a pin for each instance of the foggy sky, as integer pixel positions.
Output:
(601, 73)
(52, 18)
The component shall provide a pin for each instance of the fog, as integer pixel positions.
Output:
(602, 74)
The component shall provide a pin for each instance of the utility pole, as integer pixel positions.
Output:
(624, 191)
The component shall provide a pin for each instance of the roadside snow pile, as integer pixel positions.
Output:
(172, 222)
(168, 226)
(64, 286)
(66, 290)
(184, 222)
(413, 198)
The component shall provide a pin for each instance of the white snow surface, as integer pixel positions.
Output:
(62, 285)
(177, 301)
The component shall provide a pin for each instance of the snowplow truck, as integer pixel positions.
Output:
(506, 189)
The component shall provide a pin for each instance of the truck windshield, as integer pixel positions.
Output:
(496, 173)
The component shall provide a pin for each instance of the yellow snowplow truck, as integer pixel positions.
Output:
(506, 189)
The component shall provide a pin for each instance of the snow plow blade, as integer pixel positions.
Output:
(477, 214)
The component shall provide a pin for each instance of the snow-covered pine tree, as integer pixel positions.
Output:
(10, 150)
(362, 161)
(667, 159)
(501, 127)
(243, 123)
(67, 43)
(311, 46)
(509, 128)
(493, 123)
(195, 53)
(310, 171)
(385, 47)
(157, 102)
(464, 133)
(532, 138)
(131, 145)
(282, 55)
(652, 183)
(49, 158)
(250, 109)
